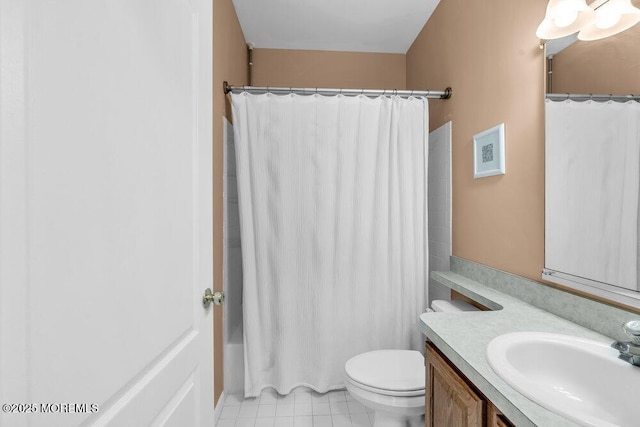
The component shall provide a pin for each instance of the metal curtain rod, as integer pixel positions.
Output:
(438, 94)
(591, 96)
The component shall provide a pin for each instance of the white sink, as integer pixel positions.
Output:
(580, 379)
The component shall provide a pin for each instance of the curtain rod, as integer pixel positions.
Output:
(591, 96)
(444, 94)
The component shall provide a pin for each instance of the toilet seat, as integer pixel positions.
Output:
(388, 372)
(384, 392)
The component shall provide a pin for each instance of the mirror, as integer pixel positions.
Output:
(592, 167)
(607, 66)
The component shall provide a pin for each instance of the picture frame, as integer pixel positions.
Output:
(488, 152)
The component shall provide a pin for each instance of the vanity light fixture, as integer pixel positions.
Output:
(564, 17)
(600, 19)
(612, 17)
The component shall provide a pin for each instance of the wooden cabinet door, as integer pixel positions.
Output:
(451, 401)
(495, 417)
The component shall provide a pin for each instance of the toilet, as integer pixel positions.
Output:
(392, 382)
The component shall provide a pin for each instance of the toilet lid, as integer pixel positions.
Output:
(397, 370)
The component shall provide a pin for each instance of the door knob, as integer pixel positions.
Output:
(216, 297)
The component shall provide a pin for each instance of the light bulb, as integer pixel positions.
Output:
(611, 18)
(565, 18)
(606, 18)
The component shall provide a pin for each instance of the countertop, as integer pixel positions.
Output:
(463, 339)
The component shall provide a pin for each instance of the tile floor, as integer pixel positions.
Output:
(300, 408)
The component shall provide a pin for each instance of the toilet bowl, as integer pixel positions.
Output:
(392, 382)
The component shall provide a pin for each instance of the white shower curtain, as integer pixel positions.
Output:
(592, 189)
(333, 214)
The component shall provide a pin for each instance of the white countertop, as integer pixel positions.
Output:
(463, 339)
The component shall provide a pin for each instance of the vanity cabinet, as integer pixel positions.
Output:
(452, 400)
(495, 418)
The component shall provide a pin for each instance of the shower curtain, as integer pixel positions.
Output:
(592, 190)
(333, 216)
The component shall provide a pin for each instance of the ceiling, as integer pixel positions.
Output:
(387, 26)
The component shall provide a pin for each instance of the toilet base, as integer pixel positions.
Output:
(386, 419)
(390, 410)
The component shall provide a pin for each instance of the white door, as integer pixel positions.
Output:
(105, 212)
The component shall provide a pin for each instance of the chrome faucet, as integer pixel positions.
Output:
(630, 350)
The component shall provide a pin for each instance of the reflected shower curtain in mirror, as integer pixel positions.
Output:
(592, 190)
(333, 216)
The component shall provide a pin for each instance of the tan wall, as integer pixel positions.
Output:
(488, 53)
(312, 68)
(610, 65)
(229, 63)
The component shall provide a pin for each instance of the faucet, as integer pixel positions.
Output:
(630, 350)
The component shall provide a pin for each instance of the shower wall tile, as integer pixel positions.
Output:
(231, 188)
(233, 295)
(232, 266)
(230, 150)
(439, 202)
(232, 231)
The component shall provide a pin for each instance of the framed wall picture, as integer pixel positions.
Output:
(488, 152)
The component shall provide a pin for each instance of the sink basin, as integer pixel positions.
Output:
(580, 379)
